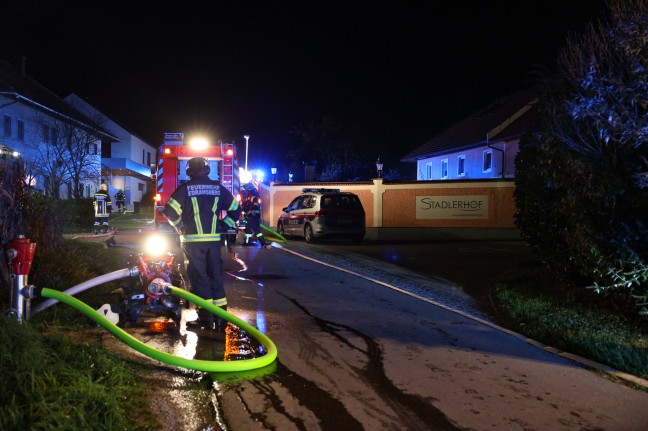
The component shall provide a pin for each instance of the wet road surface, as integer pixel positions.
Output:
(375, 347)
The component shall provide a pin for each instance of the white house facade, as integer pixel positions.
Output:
(32, 121)
(126, 163)
(482, 146)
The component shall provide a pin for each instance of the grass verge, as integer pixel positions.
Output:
(533, 304)
(54, 382)
(53, 378)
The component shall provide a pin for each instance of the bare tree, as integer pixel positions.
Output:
(82, 160)
(44, 157)
(63, 153)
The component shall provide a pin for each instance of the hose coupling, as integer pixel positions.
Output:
(31, 291)
(159, 287)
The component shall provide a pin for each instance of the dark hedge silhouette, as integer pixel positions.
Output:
(581, 188)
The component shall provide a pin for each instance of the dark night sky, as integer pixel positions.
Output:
(402, 72)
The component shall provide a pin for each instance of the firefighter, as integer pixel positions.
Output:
(103, 208)
(253, 223)
(120, 199)
(194, 210)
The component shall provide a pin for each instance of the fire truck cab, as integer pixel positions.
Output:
(170, 171)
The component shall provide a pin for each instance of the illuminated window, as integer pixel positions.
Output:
(488, 161)
(444, 168)
(461, 166)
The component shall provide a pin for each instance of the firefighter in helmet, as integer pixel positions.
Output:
(194, 210)
(103, 208)
(120, 199)
(253, 223)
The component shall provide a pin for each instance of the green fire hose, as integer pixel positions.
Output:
(273, 232)
(191, 364)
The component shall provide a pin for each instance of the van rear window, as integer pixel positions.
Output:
(341, 201)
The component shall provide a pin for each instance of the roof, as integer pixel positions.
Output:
(507, 117)
(16, 84)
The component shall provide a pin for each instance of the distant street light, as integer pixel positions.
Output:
(379, 167)
(247, 138)
(274, 174)
(290, 176)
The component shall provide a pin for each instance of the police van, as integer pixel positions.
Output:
(323, 213)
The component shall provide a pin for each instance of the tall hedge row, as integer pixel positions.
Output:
(581, 188)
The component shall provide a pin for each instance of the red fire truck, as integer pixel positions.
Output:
(171, 169)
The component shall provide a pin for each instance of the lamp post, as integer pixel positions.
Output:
(379, 167)
(247, 138)
(290, 177)
(274, 174)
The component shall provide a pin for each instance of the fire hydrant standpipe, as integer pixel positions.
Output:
(191, 364)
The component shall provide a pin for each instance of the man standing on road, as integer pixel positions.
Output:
(194, 210)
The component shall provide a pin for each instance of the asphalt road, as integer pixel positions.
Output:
(367, 345)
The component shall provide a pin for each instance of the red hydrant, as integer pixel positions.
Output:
(19, 253)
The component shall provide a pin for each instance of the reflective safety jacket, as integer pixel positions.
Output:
(101, 203)
(195, 207)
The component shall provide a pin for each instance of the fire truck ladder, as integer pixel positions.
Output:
(230, 169)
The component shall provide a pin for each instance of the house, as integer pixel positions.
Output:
(125, 163)
(482, 146)
(34, 124)
(34, 121)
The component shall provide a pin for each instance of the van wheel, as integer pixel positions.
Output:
(308, 234)
(280, 229)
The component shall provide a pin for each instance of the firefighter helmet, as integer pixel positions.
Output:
(103, 187)
(198, 165)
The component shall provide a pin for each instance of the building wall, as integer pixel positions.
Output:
(32, 146)
(416, 209)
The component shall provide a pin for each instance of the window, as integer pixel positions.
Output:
(444, 168)
(429, 171)
(140, 187)
(7, 126)
(148, 158)
(461, 166)
(21, 130)
(143, 156)
(488, 161)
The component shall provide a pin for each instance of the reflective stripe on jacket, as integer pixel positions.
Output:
(101, 202)
(195, 206)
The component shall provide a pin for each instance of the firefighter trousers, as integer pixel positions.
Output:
(205, 270)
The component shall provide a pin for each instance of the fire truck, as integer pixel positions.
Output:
(170, 172)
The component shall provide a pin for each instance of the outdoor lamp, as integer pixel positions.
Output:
(379, 167)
